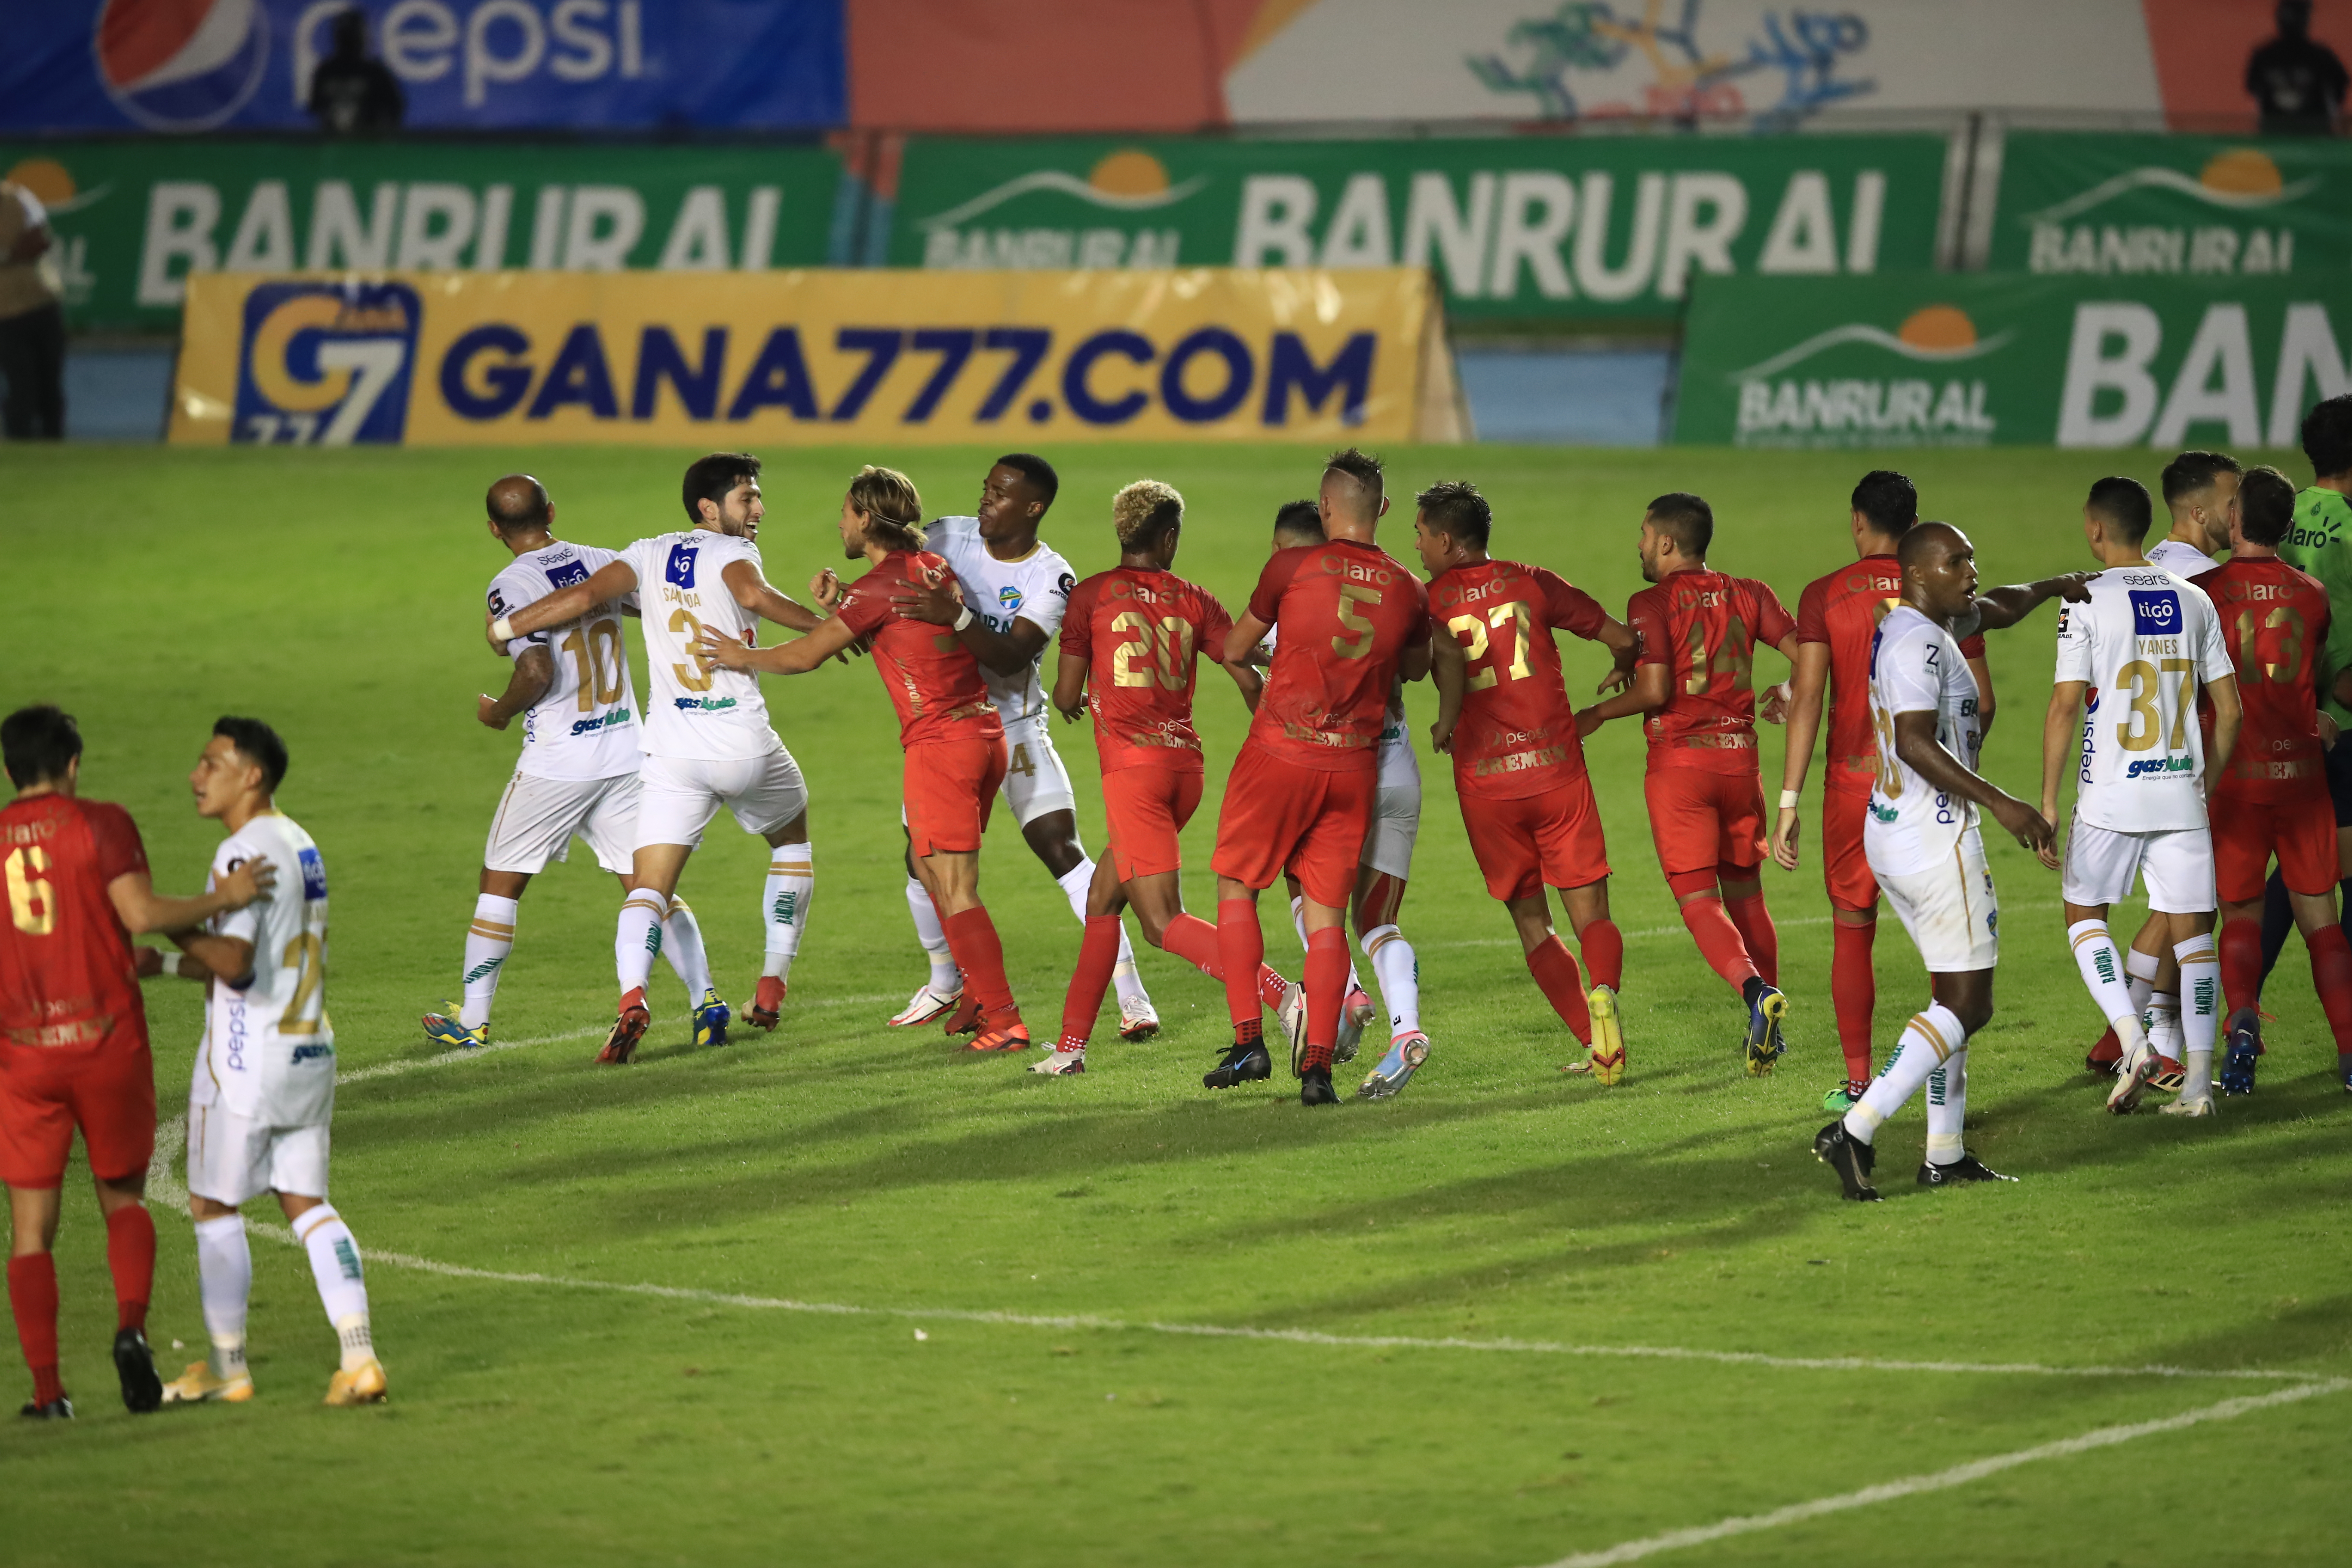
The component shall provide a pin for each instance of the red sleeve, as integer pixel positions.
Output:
(868, 604)
(1970, 646)
(1417, 634)
(1265, 599)
(1813, 611)
(116, 839)
(1773, 622)
(1645, 611)
(1078, 619)
(1215, 624)
(1569, 608)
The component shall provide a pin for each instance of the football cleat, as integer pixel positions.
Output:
(925, 1006)
(2187, 1107)
(134, 1363)
(2131, 1080)
(366, 1385)
(1967, 1168)
(443, 1029)
(1059, 1063)
(1011, 1037)
(1137, 1020)
(1763, 1043)
(963, 1018)
(2102, 1056)
(1396, 1069)
(2168, 1076)
(712, 1018)
(767, 1002)
(58, 1409)
(1242, 1064)
(1608, 1034)
(1845, 1096)
(2245, 1049)
(627, 1030)
(1356, 1014)
(1851, 1158)
(1292, 1015)
(200, 1384)
(1315, 1088)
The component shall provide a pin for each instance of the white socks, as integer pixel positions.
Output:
(682, 945)
(2102, 967)
(1931, 1041)
(1074, 888)
(1298, 924)
(946, 978)
(2162, 1020)
(488, 941)
(224, 1280)
(1947, 1105)
(638, 937)
(2139, 977)
(335, 1265)
(2200, 1012)
(1400, 972)
(785, 904)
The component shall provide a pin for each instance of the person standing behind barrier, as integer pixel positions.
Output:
(351, 94)
(31, 322)
(2296, 80)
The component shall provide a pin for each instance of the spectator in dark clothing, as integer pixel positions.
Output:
(351, 95)
(32, 325)
(2296, 79)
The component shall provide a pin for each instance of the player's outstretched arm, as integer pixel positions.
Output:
(1772, 702)
(1070, 687)
(1005, 653)
(148, 963)
(534, 672)
(797, 656)
(1652, 685)
(143, 910)
(1998, 609)
(1242, 640)
(1245, 676)
(1807, 683)
(1916, 744)
(613, 580)
(1981, 673)
(2228, 714)
(1448, 672)
(2059, 733)
(751, 588)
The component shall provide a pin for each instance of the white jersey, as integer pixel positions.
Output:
(2180, 558)
(1916, 666)
(2144, 644)
(585, 727)
(1036, 588)
(268, 1052)
(691, 715)
(1399, 768)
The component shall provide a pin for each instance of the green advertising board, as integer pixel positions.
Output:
(1536, 229)
(132, 218)
(1975, 359)
(2085, 204)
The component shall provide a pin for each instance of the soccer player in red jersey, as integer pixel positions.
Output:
(2273, 797)
(1698, 629)
(1351, 619)
(1134, 635)
(953, 738)
(1837, 616)
(73, 1038)
(1518, 764)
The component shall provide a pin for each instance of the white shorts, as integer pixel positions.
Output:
(537, 818)
(233, 1160)
(1396, 814)
(681, 794)
(1035, 782)
(2176, 864)
(1950, 909)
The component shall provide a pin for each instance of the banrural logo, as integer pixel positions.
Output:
(2131, 222)
(1877, 400)
(1125, 188)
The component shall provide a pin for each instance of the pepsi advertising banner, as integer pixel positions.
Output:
(179, 66)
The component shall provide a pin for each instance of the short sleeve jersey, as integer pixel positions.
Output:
(932, 678)
(692, 713)
(1704, 627)
(270, 1047)
(1844, 610)
(1036, 588)
(1516, 734)
(2320, 543)
(1347, 612)
(1916, 666)
(585, 727)
(2276, 622)
(65, 975)
(2145, 644)
(2180, 558)
(1141, 633)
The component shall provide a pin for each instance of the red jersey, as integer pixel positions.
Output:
(1345, 613)
(66, 975)
(934, 680)
(1516, 735)
(2274, 622)
(1704, 627)
(1141, 633)
(1842, 608)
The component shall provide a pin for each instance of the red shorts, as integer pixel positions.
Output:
(107, 1090)
(1148, 807)
(2247, 833)
(950, 787)
(1843, 867)
(1279, 817)
(1700, 820)
(1523, 844)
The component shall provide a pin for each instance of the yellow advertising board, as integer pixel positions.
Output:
(813, 357)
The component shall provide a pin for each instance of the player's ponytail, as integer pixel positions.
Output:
(892, 507)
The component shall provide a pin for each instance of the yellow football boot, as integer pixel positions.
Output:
(366, 1385)
(1608, 1035)
(200, 1384)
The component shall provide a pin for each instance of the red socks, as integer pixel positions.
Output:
(1327, 985)
(1605, 953)
(2331, 973)
(1098, 956)
(2242, 963)
(33, 1296)
(1719, 941)
(1854, 993)
(130, 1258)
(1194, 940)
(1241, 952)
(1556, 973)
(973, 939)
(1754, 923)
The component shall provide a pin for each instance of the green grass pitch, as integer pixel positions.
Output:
(949, 1204)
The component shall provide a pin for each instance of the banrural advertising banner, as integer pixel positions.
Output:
(812, 357)
(2091, 204)
(1966, 359)
(134, 219)
(1517, 228)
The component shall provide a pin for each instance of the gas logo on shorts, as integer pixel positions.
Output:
(325, 364)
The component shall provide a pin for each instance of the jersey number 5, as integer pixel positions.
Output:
(32, 904)
(1352, 594)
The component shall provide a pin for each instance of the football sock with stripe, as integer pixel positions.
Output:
(682, 945)
(1399, 969)
(637, 937)
(131, 1259)
(1558, 978)
(1947, 1108)
(1854, 991)
(1326, 979)
(1298, 924)
(784, 905)
(1930, 1040)
(2101, 968)
(2331, 975)
(1605, 953)
(946, 978)
(2140, 970)
(342, 1286)
(223, 1281)
(488, 941)
(1098, 953)
(1719, 941)
(33, 1297)
(980, 953)
(2242, 963)
(1241, 952)
(1754, 923)
(2201, 1011)
(1077, 887)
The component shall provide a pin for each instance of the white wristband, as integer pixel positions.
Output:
(503, 629)
(1788, 800)
(171, 961)
(963, 619)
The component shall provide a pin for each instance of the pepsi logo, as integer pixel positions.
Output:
(181, 64)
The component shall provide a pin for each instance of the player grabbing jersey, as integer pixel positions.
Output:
(73, 1038)
(1698, 631)
(262, 1094)
(1518, 764)
(2139, 650)
(1014, 591)
(1352, 620)
(1134, 635)
(707, 738)
(1837, 616)
(953, 738)
(2271, 800)
(578, 772)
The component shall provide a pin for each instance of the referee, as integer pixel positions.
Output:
(32, 324)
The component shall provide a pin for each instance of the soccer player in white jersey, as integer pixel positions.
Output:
(1018, 589)
(707, 740)
(2140, 649)
(264, 1087)
(578, 771)
(1925, 846)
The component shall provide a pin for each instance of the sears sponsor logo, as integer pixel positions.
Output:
(170, 65)
(2156, 615)
(325, 364)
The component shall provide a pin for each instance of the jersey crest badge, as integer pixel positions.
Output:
(680, 569)
(1010, 597)
(314, 876)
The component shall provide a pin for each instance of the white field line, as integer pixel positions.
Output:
(1942, 1480)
